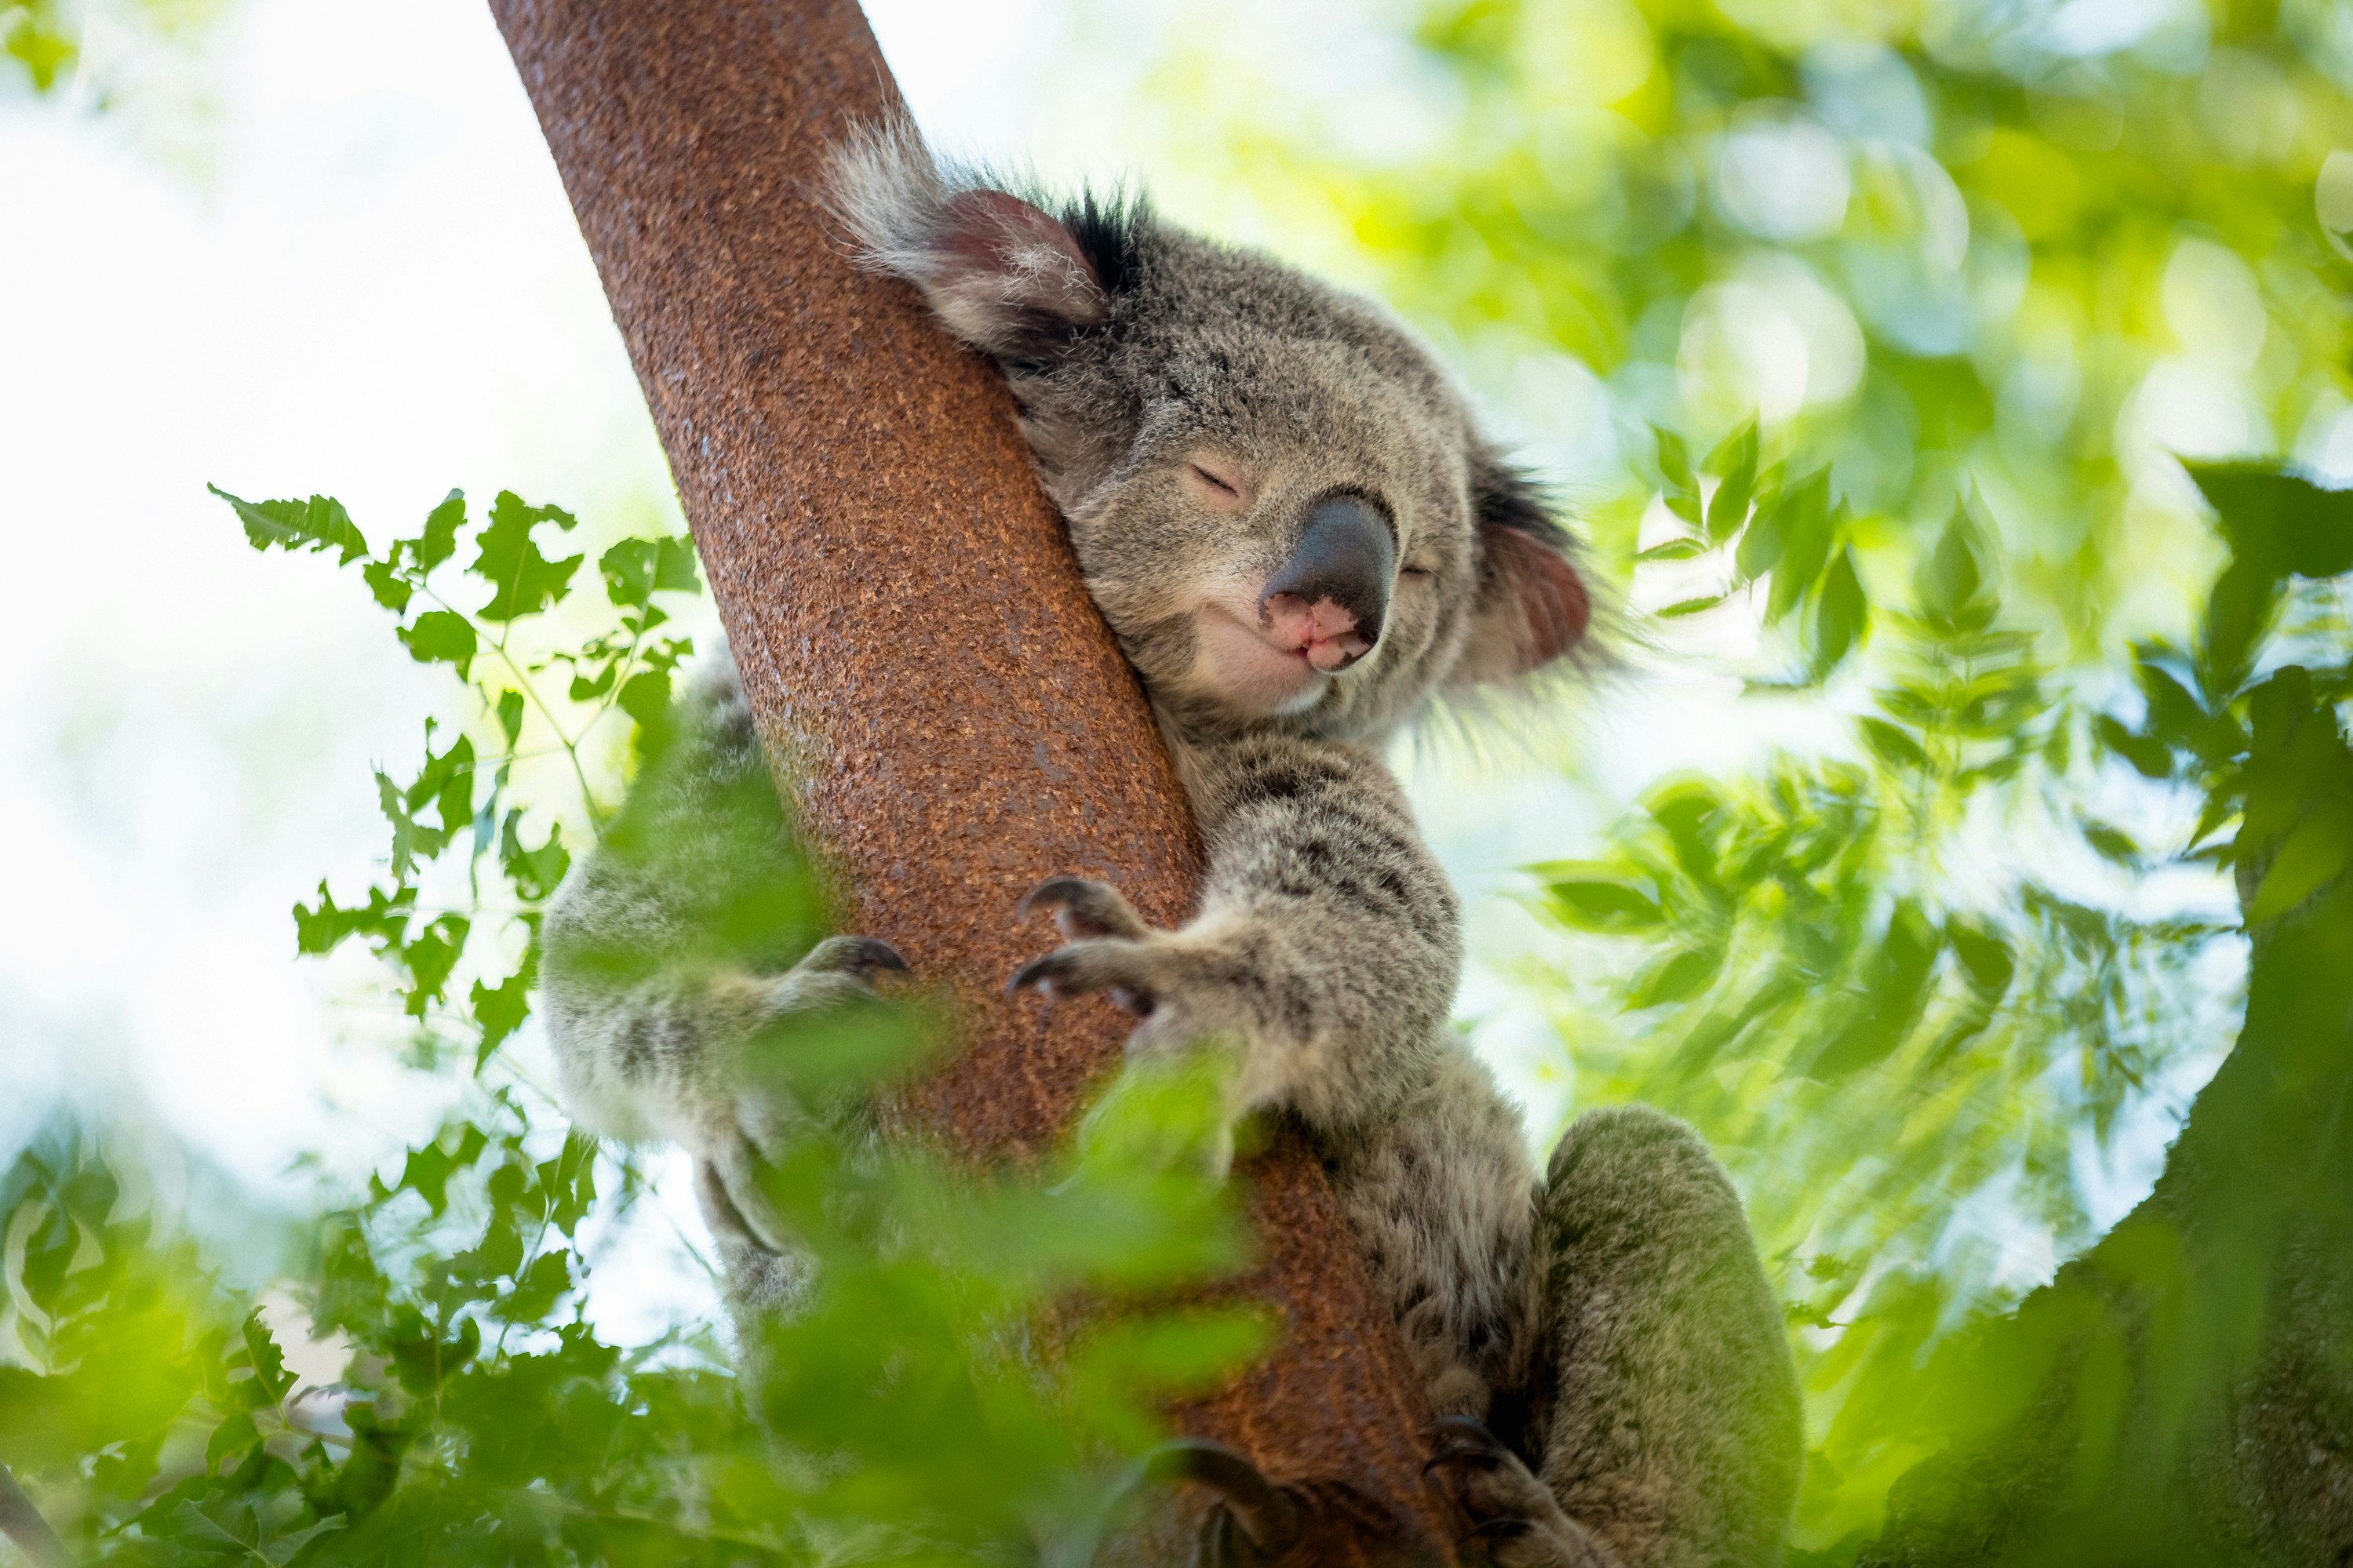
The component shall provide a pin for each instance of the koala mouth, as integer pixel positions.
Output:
(1246, 665)
(1323, 633)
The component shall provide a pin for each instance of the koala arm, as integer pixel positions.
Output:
(1327, 948)
(684, 936)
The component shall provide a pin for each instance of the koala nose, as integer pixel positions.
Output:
(1328, 601)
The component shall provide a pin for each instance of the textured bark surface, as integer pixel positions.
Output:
(911, 629)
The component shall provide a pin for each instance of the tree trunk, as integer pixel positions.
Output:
(940, 695)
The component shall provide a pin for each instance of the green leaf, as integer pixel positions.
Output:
(637, 569)
(281, 1548)
(534, 872)
(1692, 606)
(1600, 903)
(1681, 492)
(570, 1182)
(232, 1437)
(1674, 977)
(268, 1362)
(384, 917)
(509, 712)
(1948, 578)
(439, 540)
(319, 523)
(537, 1288)
(1840, 619)
(1892, 745)
(441, 637)
(392, 590)
(500, 1010)
(2112, 844)
(645, 697)
(1983, 954)
(1799, 509)
(525, 581)
(1673, 550)
(1808, 529)
(1737, 461)
(1896, 987)
(2278, 522)
(2312, 854)
(2150, 756)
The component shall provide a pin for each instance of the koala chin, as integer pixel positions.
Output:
(1287, 515)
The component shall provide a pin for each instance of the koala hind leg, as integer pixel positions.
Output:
(1672, 1429)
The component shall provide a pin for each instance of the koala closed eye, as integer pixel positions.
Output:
(1221, 488)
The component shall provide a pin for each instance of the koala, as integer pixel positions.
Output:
(1290, 519)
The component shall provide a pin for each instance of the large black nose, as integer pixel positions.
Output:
(1346, 556)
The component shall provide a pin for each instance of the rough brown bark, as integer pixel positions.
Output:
(911, 629)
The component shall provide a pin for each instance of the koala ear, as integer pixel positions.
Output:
(1533, 606)
(1003, 274)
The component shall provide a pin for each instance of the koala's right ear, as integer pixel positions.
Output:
(1004, 275)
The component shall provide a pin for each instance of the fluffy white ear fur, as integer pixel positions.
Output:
(1000, 272)
(1533, 605)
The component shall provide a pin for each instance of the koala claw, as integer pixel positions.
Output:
(1096, 964)
(1083, 908)
(858, 955)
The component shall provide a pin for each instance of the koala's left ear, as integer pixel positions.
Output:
(1003, 274)
(1533, 606)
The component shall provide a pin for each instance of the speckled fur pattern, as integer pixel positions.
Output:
(1611, 1318)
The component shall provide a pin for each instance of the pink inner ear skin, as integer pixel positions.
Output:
(991, 228)
(1552, 596)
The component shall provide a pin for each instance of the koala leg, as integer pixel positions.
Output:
(1672, 1433)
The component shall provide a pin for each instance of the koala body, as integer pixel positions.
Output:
(1287, 515)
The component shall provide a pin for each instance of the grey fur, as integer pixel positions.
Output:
(1188, 405)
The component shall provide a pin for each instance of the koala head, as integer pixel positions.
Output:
(1278, 498)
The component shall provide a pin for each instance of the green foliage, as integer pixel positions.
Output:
(978, 1356)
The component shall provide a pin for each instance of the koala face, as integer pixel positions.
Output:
(1278, 498)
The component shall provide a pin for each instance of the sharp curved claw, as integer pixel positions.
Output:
(861, 955)
(1032, 973)
(1083, 908)
(1468, 1457)
(1050, 893)
(874, 953)
(1467, 1429)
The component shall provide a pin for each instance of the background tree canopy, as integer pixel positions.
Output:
(1895, 358)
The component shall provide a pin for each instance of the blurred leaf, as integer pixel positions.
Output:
(1839, 619)
(1737, 461)
(1592, 903)
(2310, 858)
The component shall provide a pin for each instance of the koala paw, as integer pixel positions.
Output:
(861, 958)
(837, 970)
(1515, 1521)
(1107, 948)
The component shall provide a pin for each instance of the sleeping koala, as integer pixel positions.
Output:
(1286, 513)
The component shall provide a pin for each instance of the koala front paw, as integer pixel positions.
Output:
(1107, 947)
(835, 970)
